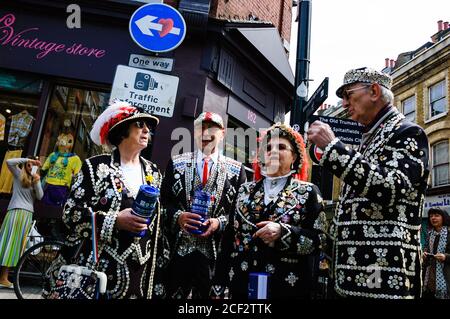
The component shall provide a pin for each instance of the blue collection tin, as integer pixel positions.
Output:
(144, 204)
(200, 206)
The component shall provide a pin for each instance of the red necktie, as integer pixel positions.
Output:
(205, 171)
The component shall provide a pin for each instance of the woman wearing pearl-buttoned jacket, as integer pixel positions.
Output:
(277, 226)
(108, 184)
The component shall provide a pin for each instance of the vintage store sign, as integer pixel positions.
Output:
(27, 39)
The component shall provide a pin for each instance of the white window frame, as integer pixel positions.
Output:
(413, 98)
(434, 165)
(430, 102)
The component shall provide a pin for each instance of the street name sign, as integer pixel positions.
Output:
(157, 27)
(319, 96)
(348, 131)
(153, 92)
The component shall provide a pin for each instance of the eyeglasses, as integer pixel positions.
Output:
(346, 93)
(140, 124)
(280, 147)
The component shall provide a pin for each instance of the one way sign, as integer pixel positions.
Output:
(157, 27)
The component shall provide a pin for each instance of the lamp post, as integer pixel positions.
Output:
(302, 64)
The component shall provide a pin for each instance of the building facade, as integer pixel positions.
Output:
(421, 88)
(57, 79)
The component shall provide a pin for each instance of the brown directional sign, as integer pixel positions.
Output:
(316, 100)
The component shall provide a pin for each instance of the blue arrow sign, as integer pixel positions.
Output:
(157, 27)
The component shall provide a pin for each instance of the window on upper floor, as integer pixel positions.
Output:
(437, 98)
(409, 108)
(440, 169)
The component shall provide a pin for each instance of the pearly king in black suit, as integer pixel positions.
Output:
(134, 266)
(193, 257)
(377, 222)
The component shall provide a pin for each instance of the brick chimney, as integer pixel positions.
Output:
(386, 62)
(440, 25)
(446, 25)
(392, 63)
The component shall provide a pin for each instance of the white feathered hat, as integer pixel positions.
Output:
(116, 113)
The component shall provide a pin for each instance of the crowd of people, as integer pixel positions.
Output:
(261, 238)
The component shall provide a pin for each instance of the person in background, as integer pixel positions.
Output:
(437, 256)
(18, 221)
(278, 224)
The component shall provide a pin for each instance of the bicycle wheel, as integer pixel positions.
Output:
(31, 273)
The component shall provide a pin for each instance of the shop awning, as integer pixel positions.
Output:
(268, 42)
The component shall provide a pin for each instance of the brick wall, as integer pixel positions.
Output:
(173, 3)
(278, 12)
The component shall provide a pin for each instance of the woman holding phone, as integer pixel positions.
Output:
(17, 223)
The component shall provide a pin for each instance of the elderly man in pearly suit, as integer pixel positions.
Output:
(376, 226)
(193, 255)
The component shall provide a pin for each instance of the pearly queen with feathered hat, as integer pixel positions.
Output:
(116, 113)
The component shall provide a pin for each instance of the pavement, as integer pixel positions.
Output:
(6, 293)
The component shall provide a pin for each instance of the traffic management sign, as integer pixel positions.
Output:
(157, 27)
(153, 92)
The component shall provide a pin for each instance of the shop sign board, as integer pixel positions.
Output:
(437, 201)
(153, 92)
(246, 115)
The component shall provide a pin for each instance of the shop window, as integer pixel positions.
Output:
(437, 99)
(440, 164)
(68, 122)
(409, 108)
(19, 100)
(20, 83)
(240, 143)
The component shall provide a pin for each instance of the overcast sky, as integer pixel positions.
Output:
(348, 34)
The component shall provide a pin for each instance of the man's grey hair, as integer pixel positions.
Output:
(386, 95)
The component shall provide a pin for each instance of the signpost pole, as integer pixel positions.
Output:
(302, 64)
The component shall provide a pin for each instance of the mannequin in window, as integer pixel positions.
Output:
(60, 167)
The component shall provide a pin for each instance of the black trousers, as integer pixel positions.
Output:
(190, 273)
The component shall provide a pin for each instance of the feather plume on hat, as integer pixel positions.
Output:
(113, 115)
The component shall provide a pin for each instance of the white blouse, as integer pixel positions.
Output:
(273, 186)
